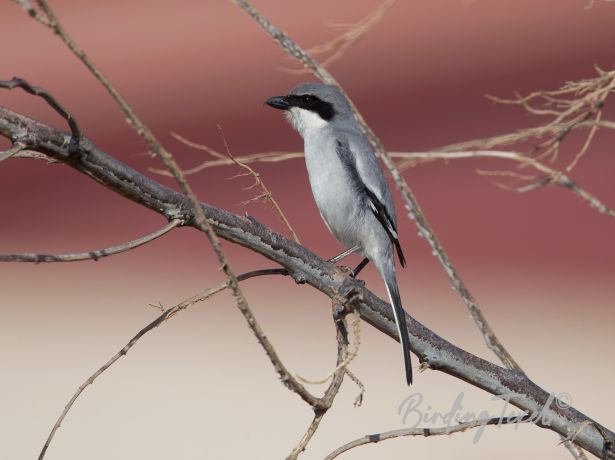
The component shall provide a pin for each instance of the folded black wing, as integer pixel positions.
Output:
(376, 205)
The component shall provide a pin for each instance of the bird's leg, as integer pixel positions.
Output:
(346, 253)
(360, 267)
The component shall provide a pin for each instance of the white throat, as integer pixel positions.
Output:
(305, 121)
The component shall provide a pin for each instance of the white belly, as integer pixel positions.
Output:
(335, 197)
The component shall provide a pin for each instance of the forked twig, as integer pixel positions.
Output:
(230, 159)
(267, 195)
(167, 314)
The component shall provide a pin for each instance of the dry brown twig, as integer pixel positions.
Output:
(265, 196)
(575, 103)
(337, 47)
(548, 175)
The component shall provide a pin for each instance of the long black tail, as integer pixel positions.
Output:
(390, 281)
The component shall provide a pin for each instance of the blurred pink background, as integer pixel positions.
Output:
(542, 264)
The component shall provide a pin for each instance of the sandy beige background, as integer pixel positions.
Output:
(542, 265)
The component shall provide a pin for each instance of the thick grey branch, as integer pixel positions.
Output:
(305, 266)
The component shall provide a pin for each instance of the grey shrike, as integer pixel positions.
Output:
(349, 187)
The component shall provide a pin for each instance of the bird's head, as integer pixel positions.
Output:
(312, 106)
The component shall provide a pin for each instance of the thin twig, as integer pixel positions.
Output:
(574, 104)
(267, 195)
(551, 175)
(16, 82)
(230, 159)
(414, 211)
(425, 432)
(92, 255)
(349, 358)
(326, 401)
(167, 314)
(342, 43)
(305, 439)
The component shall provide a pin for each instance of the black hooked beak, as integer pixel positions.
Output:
(279, 102)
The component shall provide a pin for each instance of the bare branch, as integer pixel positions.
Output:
(425, 432)
(53, 103)
(92, 255)
(575, 103)
(167, 314)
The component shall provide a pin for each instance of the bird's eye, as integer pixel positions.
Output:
(307, 99)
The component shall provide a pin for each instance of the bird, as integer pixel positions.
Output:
(349, 187)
